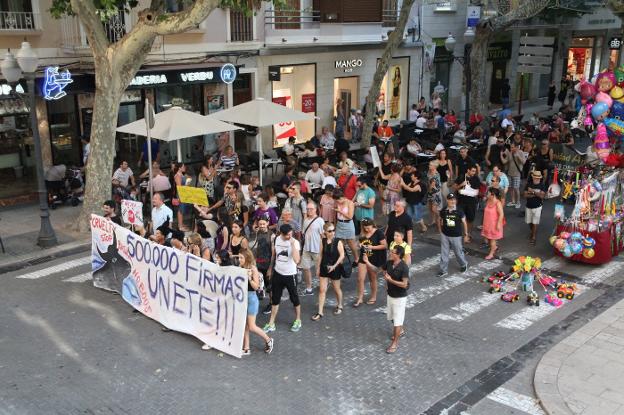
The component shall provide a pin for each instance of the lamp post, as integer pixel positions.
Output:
(27, 62)
(449, 45)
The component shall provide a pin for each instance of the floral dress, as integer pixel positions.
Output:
(434, 194)
(391, 195)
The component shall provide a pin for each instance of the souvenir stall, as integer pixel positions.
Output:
(592, 232)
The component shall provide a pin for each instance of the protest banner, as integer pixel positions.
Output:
(193, 195)
(132, 212)
(181, 291)
(566, 158)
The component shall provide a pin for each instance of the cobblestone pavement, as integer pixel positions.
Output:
(68, 347)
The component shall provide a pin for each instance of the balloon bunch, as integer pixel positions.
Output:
(602, 102)
(574, 243)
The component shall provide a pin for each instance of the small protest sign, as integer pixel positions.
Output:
(193, 195)
(132, 212)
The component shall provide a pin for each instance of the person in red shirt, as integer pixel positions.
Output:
(451, 118)
(384, 130)
(475, 119)
(347, 182)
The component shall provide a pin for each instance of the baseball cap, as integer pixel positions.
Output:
(285, 228)
(451, 196)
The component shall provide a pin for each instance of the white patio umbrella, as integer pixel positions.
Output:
(177, 123)
(174, 124)
(260, 113)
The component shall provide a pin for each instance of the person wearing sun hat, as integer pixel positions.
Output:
(534, 193)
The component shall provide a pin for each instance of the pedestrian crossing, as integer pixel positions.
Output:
(425, 288)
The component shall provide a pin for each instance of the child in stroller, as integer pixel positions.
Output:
(63, 185)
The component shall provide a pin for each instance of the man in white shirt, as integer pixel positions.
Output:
(327, 139)
(421, 121)
(507, 122)
(315, 175)
(413, 114)
(285, 255)
(312, 234)
(161, 214)
(329, 179)
(123, 176)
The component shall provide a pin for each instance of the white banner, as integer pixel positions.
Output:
(375, 156)
(132, 212)
(181, 291)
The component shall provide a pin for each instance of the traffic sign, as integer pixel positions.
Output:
(535, 54)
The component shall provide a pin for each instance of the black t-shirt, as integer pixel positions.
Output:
(474, 182)
(452, 222)
(395, 222)
(116, 219)
(341, 145)
(397, 273)
(413, 198)
(463, 164)
(378, 256)
(285, 181)
(534, 202)
(505, 90)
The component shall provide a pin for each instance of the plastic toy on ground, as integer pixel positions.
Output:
(510, 296)
(533, 299)
(566, 290)
(552, 299)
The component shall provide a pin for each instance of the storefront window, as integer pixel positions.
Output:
(440, 73)
(296, 89)
(64, 136)
(17, 175)
(190, 98)
(580, 58)
(346, 96)
(393, 94)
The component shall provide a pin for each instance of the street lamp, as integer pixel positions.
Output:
(449, 45)
(12, 70)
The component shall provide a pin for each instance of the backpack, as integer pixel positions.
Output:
(262, 249)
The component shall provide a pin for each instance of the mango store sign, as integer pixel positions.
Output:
(349, 64)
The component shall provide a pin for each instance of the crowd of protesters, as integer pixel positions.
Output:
(320, 221)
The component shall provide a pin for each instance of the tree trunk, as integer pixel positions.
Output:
(478, 59)
(394, 40)
(102, 145)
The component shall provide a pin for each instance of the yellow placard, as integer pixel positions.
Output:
(193, 195)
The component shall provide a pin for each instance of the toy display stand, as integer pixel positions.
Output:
(604, 249)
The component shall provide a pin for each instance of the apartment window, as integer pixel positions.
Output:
(241, 27)
(16, 15)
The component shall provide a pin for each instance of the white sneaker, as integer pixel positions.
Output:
(518, 205)
(510, 204)
(206, 347)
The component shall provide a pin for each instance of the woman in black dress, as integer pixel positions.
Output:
(328, 268)
(552, 91)
(372, 244)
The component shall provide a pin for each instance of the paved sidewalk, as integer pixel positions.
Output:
(584, 373)
(19, 229)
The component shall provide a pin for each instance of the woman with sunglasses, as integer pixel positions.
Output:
(373, 247)
(329, 268)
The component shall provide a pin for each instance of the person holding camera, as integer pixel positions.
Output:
(285, 255)
(246, 260)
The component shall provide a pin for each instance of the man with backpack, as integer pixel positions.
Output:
(296, 203)
(312, 234)
(285, 255)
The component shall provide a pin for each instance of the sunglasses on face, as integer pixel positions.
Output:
(330, 230)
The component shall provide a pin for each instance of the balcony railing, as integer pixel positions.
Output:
(74, 35)
(19, 21)
(390, 13)
(241, 27)
(292, 19)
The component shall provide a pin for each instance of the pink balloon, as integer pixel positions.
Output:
(603, 97)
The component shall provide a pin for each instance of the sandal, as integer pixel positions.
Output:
(532, 242)
(371, 301)
(392, 349)
(338, 310)
(357, 304)
(401, 334)
(317, 317)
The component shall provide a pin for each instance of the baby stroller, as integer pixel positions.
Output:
(63, 185)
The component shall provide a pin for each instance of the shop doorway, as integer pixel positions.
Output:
(346, 97)
(580, 56)
(499, 71)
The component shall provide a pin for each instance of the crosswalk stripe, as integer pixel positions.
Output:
(65, 266)
(424, 264)
(530, 315)
(467, 308)
(447, 283)
(516, 401)
(554, 263)
(87, 276)
(603, 272)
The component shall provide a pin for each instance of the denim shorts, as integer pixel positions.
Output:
(416, 212)
(253, 304)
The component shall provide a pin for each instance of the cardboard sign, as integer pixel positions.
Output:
(132, 212)
(193, 195)
(375, 156)
(179, 290)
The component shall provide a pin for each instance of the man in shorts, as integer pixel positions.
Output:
(534, 193)
(312, 234)
(285, 256)
(515, 166)
(396, 274)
